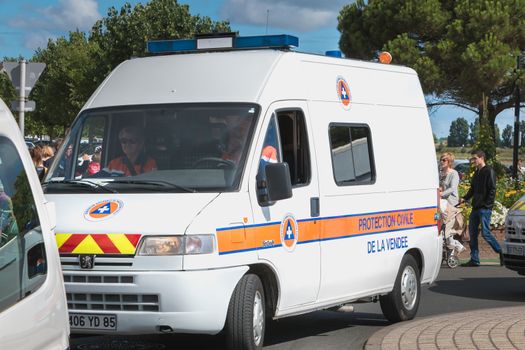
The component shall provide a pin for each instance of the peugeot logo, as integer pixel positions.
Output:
(86, 261)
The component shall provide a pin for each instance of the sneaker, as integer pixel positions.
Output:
(470, 263)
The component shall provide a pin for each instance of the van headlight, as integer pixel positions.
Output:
(177, 245)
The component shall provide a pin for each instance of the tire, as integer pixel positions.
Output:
(402, 303)
(246, 322)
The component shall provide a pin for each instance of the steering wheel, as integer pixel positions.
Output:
(213, 162)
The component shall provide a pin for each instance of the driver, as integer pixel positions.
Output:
(134, 161)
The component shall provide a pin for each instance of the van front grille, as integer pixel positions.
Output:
(98, 279)
(113, 302)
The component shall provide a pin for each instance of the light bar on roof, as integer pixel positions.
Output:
(207, 43)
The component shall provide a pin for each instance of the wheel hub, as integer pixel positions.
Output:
(409, 288)
(258, 318)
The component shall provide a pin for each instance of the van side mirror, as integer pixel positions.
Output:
(277, 184)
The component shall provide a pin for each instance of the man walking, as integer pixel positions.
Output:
(482, 191)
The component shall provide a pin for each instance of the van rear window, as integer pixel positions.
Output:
(352, 156)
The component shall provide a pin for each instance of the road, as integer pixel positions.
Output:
(455, 290)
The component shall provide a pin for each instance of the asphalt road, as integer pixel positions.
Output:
(455, 290)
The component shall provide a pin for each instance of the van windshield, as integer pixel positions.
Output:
(155, 148)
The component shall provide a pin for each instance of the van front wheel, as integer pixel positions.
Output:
(245, 322)
(402, 303)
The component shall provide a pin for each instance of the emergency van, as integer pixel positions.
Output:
(33, 309)
(513, 248)
(236, 181)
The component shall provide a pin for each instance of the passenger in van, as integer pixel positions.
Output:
(134, 161)
(236, 137)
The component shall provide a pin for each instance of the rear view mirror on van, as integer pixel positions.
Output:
(278, 181)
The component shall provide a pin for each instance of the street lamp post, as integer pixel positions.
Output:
(520, 65)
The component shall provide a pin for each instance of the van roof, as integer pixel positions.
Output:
(247, 76)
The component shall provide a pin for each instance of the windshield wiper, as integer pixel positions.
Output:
(165, 184)
(83, 183)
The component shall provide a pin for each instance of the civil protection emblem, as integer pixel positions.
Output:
(343, 92)
(103, 210)
(289, 232)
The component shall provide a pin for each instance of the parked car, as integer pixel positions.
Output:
(462, 166)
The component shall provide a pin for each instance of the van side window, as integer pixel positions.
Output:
(294, 144)
(352, 156)
(22, 253)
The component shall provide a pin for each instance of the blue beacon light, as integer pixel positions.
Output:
(207, 43)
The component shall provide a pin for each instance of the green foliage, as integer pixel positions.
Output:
(459, 130)
(462, 50)
(123, 33)
(506, 136)
(485, 141)
(67, 81)
(78, 63)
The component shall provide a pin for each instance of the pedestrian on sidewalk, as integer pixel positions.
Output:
(482, 191)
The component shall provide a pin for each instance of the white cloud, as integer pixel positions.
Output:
(37, 39)
(42, 23)
(66, 15)
(301, 15)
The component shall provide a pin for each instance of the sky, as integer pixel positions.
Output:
(26, 25)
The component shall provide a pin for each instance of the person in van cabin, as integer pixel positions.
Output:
(448, 185)
(36, 156)
(483, 193)
(94, 163)
(134, 161)
(238, 128)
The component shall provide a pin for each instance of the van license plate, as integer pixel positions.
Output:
(93, 321)
(515, 250)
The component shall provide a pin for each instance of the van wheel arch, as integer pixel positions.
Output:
(416, 254)
(270, 284)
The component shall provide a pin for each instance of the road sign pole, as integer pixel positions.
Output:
(22, 100)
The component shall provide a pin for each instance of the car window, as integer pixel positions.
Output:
(22, 252)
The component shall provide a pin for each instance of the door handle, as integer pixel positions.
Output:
(314, 207)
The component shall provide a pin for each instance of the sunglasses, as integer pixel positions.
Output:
(443, 160)
(124, 141)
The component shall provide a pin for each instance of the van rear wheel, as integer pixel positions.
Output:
(402, 303)
(245, 322)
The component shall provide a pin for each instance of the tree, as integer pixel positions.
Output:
(123, 34)
(506, 136)
(464, 51)
(497, 135)
(474, 131)
(67, 82)
(459, 130)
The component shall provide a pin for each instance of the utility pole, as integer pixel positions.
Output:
(22, 96)
(520, 64)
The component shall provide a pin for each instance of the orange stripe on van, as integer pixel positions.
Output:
(328, 228)
(113, 243)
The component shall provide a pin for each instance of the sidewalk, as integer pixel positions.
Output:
(500, 328)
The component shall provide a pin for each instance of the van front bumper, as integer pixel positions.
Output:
(147, 302)
(514, 256)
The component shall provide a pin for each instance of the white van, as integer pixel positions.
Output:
(227, 187)
(33, 309)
